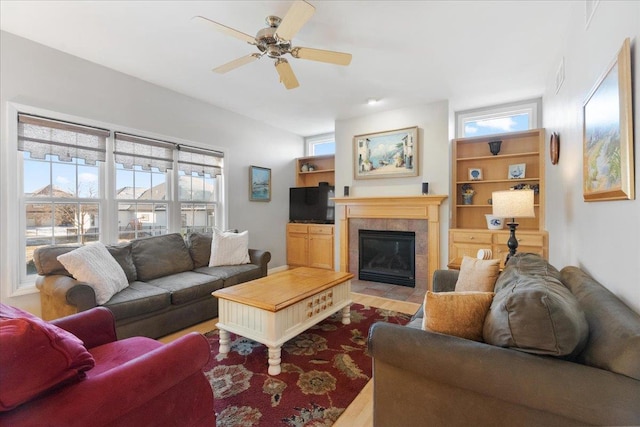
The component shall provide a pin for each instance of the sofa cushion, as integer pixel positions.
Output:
(233, 274)
(228, 248)
(614, 328)
(532, 311)
(36, 356)
(46, 261)
(460, 314)
(94, 265)
(200, 248)
(187, 286)
(477, 275)
(160, 256)
(122, 254)
(138, 299)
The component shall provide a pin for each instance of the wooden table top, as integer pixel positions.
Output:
(280, 290)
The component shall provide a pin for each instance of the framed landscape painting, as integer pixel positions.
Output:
(259, 184)
(608, 134)
(390, 154)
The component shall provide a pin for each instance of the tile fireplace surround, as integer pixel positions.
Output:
(401, 213)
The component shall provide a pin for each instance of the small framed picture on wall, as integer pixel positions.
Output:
(259, 184)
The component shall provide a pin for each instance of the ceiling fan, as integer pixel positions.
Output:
(275, 41)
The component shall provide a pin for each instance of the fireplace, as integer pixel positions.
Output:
(387, 256)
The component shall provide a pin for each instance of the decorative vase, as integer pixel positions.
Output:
(467, 198)
(494, 147)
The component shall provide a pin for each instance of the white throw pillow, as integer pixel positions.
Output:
(94, 265)
(229, 248)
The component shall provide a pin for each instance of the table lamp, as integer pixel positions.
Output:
(513, 204)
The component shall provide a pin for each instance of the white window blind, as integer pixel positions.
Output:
(202, 162)
(146, 153)
(41, 137)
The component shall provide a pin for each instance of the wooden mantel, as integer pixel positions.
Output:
(396, 207)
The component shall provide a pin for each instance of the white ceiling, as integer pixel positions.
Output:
(472, 53)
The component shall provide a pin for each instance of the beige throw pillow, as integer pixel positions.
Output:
(477, 275)
(95, 266)
(228, 248)
(460, 314)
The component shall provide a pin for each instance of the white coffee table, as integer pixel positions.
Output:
(273, 309)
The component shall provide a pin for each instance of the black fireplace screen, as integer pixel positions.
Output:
(387, 256)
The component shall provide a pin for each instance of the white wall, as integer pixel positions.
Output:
(432, 121)
(603, 238)
(37, 76)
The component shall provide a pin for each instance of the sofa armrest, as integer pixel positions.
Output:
(63, 295)
(567, 389)
(260, 258)
(445, 280)
(104, 398)
(94, 327)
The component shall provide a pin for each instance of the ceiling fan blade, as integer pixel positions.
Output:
(287, 77)
(329, 56)
(236, 63)
(297, 15)
(226, 30)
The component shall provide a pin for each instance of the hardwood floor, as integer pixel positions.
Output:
(360, 412)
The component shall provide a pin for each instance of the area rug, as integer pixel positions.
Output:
(323, 370)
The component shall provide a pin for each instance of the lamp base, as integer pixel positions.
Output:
(512, 243)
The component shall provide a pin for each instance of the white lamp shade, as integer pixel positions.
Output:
(513, 204)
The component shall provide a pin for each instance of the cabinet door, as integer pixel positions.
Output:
(321, 251)
(297, 248)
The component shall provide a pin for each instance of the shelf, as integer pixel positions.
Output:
(527, 147)
(500, 156)
(324, 170)
(498, 181)
(316, 171)
(485, 206)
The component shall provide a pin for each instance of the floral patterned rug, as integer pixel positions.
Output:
(323, 370)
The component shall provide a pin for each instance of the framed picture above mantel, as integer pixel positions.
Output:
(608, 134)
(389, 154)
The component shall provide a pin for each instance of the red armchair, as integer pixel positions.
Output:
(135, 382)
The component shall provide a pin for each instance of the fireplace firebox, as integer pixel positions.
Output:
(387, 256)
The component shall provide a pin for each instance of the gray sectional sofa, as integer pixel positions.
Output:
(426, 378)
(170, 283)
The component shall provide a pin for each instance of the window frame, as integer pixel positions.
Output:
(12, 212)
(531, 106)
(312, 141)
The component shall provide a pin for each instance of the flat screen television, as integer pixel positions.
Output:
(312, 204)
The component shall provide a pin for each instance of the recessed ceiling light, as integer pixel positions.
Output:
(372, 101)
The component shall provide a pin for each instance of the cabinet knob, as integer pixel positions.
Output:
(471, 238)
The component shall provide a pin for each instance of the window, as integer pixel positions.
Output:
(321, 144)
(141, 185)
(199, 187)
(79, 184)
(499, 119)
(61, 183)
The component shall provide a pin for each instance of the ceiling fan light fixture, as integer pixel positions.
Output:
(274, 41)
